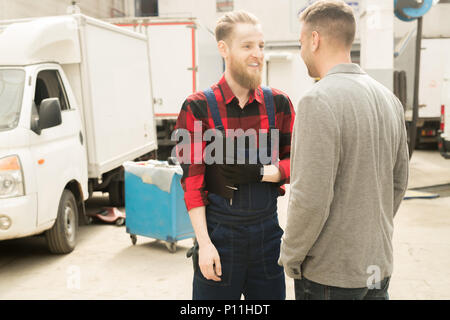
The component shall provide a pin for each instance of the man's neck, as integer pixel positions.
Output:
(240, 92)
(331, 61)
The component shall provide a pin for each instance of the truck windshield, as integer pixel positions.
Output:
(11, 90)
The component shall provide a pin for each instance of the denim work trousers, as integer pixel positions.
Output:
(244, 230)
(309, 290)
(249, 258)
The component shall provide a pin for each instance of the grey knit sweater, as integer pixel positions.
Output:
(349, 172)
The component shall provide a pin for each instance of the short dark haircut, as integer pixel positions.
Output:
(332, 18)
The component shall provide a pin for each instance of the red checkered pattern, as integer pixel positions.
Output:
(196, 118)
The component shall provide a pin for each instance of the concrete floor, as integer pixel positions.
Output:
(105, 265)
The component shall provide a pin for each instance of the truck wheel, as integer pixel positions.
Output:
(116, 190)
(62, 237)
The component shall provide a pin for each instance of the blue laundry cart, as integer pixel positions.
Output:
(154, 203)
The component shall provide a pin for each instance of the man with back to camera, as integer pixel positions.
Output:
(349, 168)
(238, 234)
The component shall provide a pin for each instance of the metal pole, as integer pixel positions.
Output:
(413, 127)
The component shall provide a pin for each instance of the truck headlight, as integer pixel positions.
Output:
(11, 178)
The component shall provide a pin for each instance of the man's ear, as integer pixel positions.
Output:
(315, 41)
(223, 48)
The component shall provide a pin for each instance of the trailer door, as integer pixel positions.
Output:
(433, 57)
(173, 65)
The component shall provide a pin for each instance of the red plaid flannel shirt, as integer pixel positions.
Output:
(252, 116)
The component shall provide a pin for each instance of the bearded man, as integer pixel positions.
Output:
(237, 232)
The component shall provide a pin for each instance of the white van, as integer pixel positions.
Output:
(75, 103)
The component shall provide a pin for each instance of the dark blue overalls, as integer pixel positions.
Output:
(246, 233)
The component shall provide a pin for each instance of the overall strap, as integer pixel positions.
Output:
(268, 98)
(212, 103)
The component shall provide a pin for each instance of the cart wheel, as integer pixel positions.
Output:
(133, 239)
(171, 246)
(120, 222)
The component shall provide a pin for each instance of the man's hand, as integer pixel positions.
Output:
(241, 173)
(209, 262)
(208, 257)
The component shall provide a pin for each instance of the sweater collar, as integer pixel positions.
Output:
(346, 68)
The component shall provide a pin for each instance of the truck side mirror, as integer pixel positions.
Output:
(34, 124)
(49, 113)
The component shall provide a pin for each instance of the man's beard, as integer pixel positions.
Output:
(243, 77)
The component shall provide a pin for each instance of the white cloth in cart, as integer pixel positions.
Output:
(158, 173)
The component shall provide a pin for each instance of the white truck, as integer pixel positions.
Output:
(284, 69)
(75, 104)
(444, 139)
(184, 59)
(435, 52)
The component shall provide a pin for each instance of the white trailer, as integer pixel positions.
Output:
(434, 53)
(434, 56)
(184, 59)
(75, 103)
(444, 139)
(285, 70)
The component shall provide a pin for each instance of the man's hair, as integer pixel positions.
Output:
(332, 18)
(226, 23)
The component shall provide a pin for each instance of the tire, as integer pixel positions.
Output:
(116, 190)
(62, 237)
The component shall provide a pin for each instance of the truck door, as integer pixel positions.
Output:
(173, 65)
(432, 60)
(285, 69)
(57, 152)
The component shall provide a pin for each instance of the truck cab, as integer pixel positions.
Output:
(41, 153)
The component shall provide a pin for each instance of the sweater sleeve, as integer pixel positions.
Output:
(401, 168)
(315, 153)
